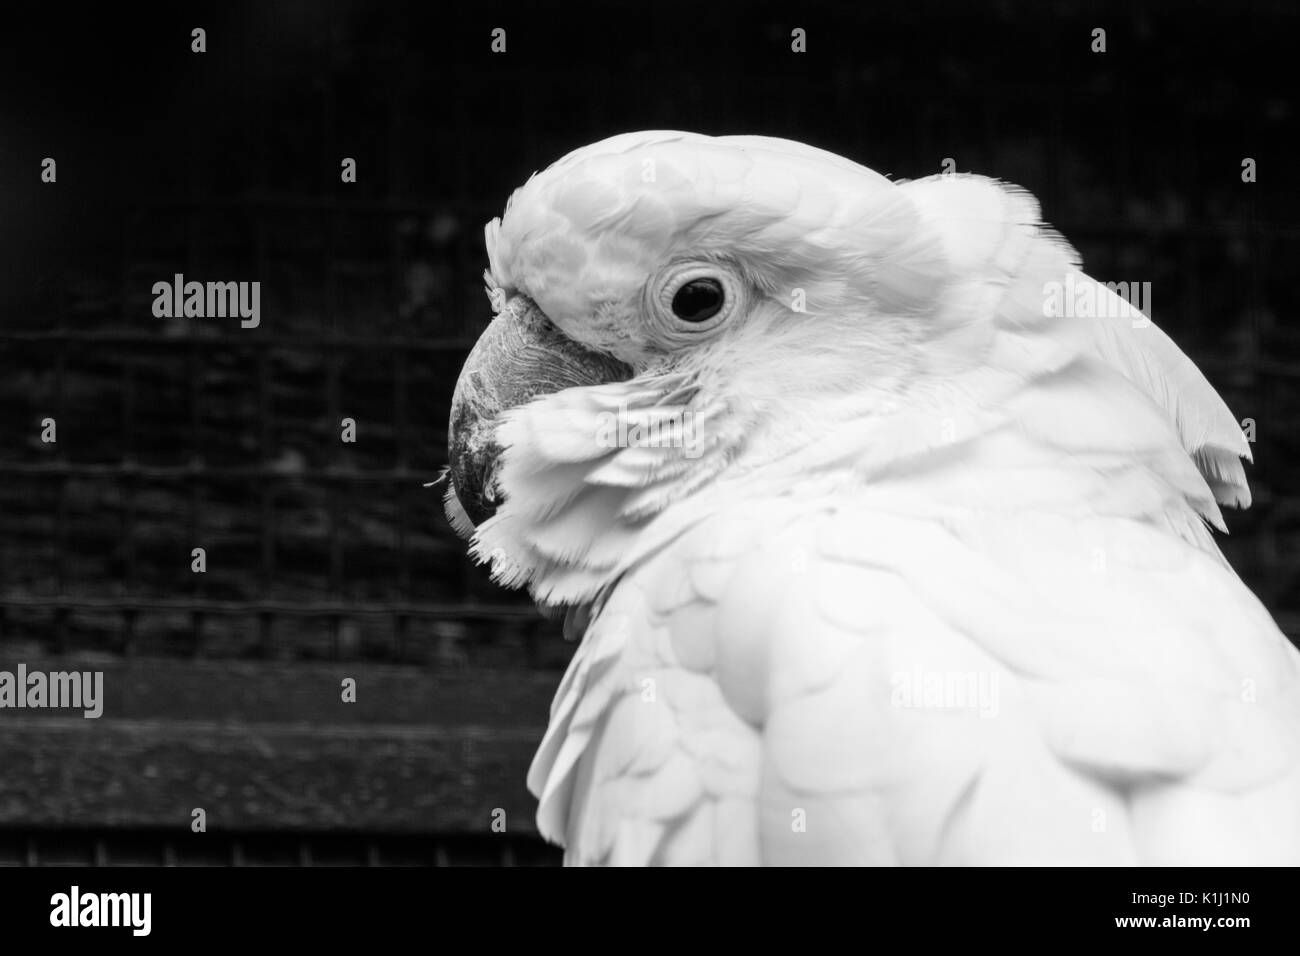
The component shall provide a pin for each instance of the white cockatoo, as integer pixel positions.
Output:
(877, 553)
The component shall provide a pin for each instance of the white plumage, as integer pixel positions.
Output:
(915, 482)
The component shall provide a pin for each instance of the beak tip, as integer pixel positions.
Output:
(457, 516)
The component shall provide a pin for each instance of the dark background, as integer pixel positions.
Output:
(329, 560)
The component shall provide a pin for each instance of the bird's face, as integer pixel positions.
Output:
(688, 261)
(684, 323)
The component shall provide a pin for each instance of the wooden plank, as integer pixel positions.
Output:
(307, 692)
(271, 746)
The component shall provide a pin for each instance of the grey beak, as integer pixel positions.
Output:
(520, 356)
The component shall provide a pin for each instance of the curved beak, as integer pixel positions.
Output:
(519, 356)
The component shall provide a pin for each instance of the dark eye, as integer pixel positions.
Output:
(698, 300)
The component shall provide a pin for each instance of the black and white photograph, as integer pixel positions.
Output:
(451, 437)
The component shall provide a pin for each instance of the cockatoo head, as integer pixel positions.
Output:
(681, 318)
